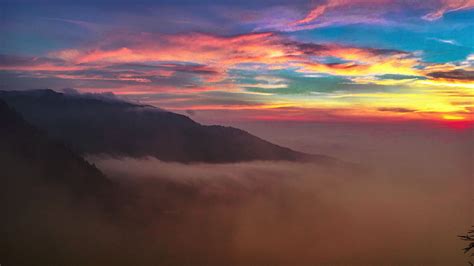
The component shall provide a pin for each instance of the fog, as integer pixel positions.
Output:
(404, 205)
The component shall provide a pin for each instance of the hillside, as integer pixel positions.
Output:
(95, 125)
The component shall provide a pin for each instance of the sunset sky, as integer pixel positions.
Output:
(357, 60)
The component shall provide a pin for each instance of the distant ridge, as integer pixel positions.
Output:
(98, 125)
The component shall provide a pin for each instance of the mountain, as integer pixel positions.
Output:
(28, 152)
(107, 125)
(48, 195)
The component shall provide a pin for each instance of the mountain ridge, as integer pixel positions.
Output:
(108, 125)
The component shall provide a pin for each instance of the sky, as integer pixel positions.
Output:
(319, 60)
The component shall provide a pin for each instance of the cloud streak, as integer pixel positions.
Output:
(325, 13)
(445, 6)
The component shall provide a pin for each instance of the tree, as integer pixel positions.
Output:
(469, 237)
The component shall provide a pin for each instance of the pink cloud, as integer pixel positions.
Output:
(371, 11)
(446, 6)
(217, 54)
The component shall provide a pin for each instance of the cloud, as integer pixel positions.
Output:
(317, 14)
(456, 74)
(91, 26)
(103, 96)
(164, 76)
(331, 12)
(164, 61)
(445, 6)
(396, 109)
(452, 42)
(346, 6)
(266, 82)
(29, 63)
(214, 55)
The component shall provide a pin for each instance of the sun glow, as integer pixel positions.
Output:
(453, 117)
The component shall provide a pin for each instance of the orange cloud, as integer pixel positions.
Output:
(270, 49)
(365, 62)
(193, 47)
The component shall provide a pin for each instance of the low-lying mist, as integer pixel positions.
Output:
(403, 212)
(404, 204)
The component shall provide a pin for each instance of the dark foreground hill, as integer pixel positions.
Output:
(95, 125)
(47, 194)
(28, 152)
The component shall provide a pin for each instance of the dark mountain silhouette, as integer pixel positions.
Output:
(107, 125)
(46, 195)
(27, 151)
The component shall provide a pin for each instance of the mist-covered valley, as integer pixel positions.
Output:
(404, 204)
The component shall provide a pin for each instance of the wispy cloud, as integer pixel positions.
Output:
(445, 6)
(452, 42)
(343, 12)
